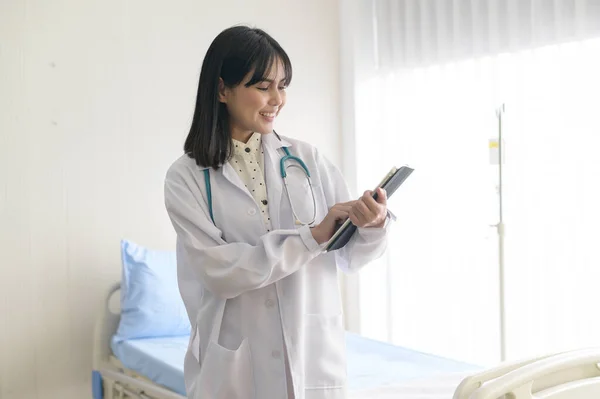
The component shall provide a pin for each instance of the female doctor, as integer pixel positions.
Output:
(261, 294)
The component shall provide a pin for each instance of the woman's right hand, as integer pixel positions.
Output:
(337, 214)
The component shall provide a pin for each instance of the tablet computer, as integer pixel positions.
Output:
(390, 183)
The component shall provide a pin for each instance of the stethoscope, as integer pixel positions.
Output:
(295, 163)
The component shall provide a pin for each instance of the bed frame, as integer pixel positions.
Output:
(569, 375)
(110, 380)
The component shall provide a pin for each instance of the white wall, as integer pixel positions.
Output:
(96, 99)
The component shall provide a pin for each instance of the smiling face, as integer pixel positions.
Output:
(254, 108)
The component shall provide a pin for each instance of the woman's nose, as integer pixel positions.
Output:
(275, 98)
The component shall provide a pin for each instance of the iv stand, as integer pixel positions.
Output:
(500, 229)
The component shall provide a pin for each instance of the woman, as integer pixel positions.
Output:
(261, 294)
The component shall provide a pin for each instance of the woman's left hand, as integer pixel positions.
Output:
(366, 212)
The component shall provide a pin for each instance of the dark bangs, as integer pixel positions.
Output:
(263, 59)
(256, 54)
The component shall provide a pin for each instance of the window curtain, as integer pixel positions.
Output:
(428, 80)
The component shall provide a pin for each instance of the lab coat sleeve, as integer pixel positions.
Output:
(230, 269)
(369, 243)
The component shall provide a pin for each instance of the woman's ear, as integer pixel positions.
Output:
(222, 91)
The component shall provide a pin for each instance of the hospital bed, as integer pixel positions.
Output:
(152, 368)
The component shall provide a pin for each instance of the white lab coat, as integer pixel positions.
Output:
(251, 294)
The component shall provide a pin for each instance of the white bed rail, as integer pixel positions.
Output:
(134, 388)
(473, 382)
(572, 375)
(106, 326)
(116, 383)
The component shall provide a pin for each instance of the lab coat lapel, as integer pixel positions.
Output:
(230, 174)
(275, 190)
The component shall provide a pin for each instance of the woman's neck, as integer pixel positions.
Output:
(242, 136)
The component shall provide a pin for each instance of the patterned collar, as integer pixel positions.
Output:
(251, 147)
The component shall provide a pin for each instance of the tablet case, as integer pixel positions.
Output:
(390, 184)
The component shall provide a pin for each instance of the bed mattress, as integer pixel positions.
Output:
(374, 367)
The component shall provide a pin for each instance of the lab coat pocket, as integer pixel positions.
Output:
(226, 374)
(325, 352)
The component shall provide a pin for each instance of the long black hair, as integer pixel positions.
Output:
(233, 54)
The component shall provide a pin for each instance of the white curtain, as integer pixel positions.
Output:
(408, 33)
(428, 83)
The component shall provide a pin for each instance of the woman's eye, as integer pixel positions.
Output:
(266, 88)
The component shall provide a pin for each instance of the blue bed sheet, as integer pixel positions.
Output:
(158, 359)
(375, 364)
(371, 363)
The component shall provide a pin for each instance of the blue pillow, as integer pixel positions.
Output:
(151, 305)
